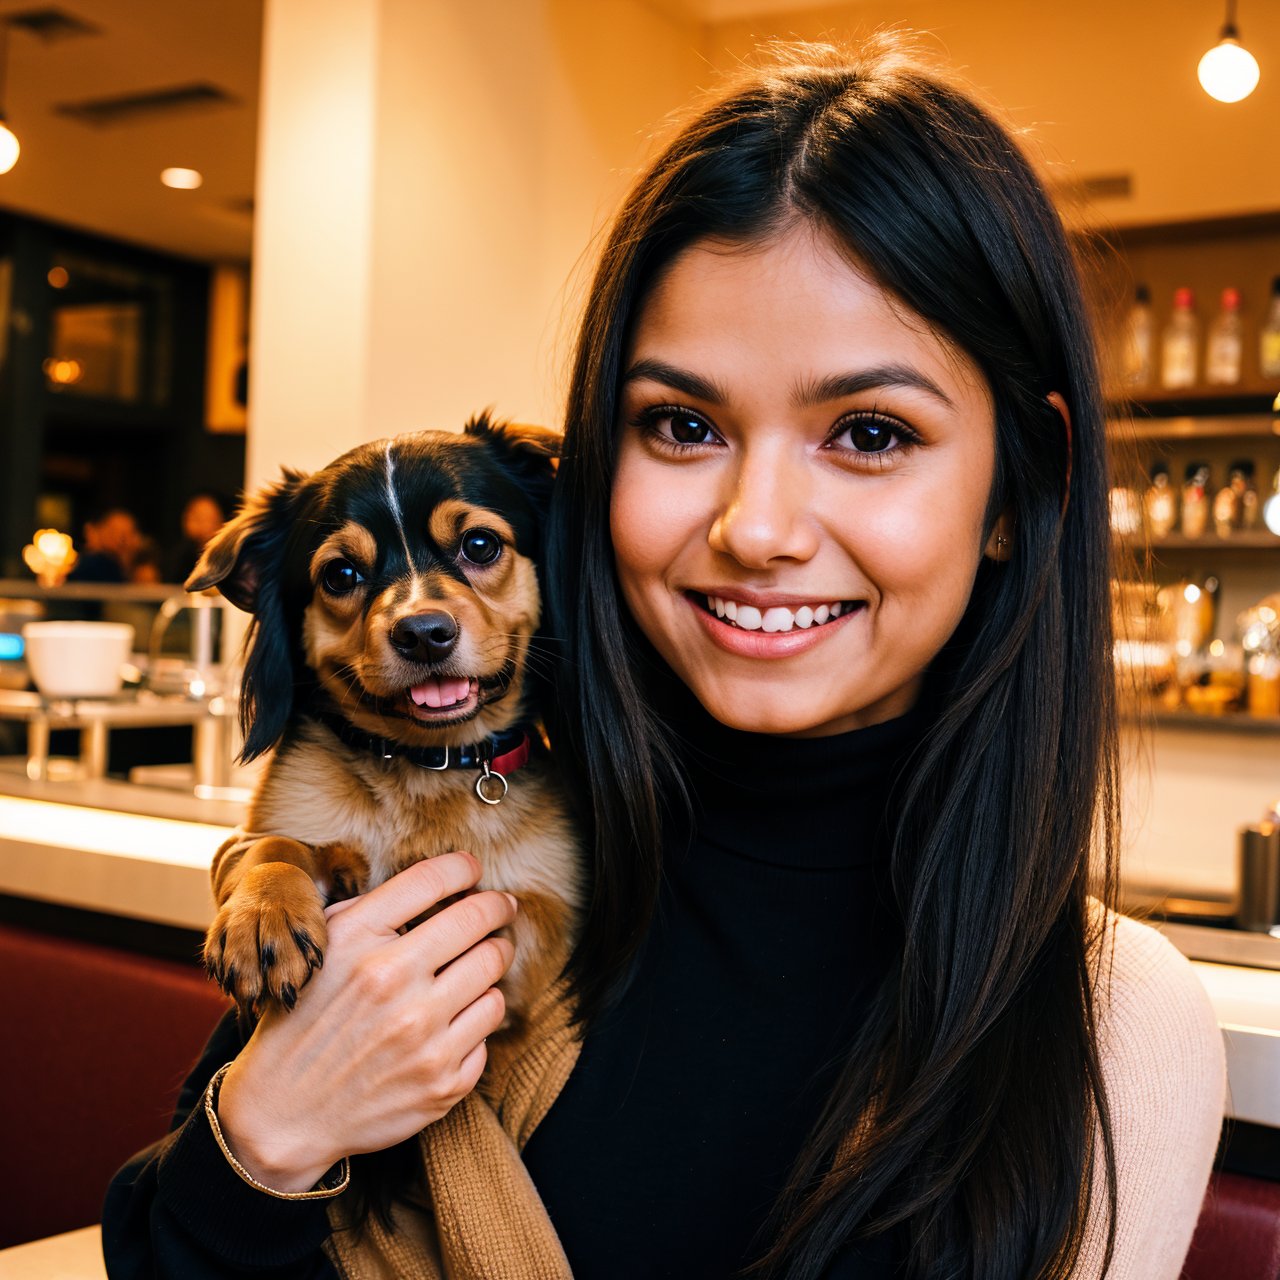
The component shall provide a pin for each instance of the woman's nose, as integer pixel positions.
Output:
(766, 515)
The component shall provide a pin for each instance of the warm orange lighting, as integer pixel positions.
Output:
(63, 373)
(50, 555)
(59, 277)
(10, 148)
(182, 179)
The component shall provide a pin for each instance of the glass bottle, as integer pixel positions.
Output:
(1228, 502)
(1226, 342)
(1161, 502)
(1269, 339)
(1195, 500)
(1139, 341)
(1181, 341)
(1250, 508)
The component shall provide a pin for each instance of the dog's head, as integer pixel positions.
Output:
(397, 586)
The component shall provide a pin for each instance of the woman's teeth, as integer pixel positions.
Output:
(779, 618)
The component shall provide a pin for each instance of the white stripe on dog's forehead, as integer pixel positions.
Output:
(394, 503)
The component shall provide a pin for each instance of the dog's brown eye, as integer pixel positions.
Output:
(339, 577)
(481, 546)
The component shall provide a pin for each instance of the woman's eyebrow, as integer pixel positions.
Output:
(838, 385)
(692, 384)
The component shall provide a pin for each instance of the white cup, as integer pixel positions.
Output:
(77, 659)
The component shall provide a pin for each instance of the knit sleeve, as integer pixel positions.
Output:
(1164, 1071)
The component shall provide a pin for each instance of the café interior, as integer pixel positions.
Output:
(252, 235)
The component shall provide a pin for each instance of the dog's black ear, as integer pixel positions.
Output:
(527, 453)
(245, 561)
(241, 555)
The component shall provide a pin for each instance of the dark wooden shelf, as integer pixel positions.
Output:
(1245, 426)
(1197, 402)
(1231, 722)
(1244, 540)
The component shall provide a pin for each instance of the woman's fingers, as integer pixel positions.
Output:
(412, 891)
(471, 975)
(455, 930)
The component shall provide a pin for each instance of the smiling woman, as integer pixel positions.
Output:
(793, 489)
(830, 558)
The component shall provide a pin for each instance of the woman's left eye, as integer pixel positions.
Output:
(872, 434)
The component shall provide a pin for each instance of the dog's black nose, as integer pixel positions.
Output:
(425, 637)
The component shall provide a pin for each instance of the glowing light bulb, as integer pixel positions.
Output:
(1228, 72)
(181, 179)
(1271, 513)
(10, 148)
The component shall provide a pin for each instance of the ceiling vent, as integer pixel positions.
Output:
(1107, 186)
(50, 24)
(153, 104)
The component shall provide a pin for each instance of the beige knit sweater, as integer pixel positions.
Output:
(479, 1216)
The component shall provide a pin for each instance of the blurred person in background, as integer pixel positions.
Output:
(111, 544)
(202, 517)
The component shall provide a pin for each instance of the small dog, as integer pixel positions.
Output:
(390, 665)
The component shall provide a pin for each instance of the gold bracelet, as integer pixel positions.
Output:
(330, 1185)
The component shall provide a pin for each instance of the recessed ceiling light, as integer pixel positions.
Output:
(182, 179)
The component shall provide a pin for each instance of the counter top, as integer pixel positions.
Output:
(78, 844)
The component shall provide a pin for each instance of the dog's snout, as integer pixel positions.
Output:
(425, 637)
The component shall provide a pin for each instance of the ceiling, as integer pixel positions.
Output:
(106, 177)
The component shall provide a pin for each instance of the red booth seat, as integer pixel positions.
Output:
(1238, 1234)
(97, 1041)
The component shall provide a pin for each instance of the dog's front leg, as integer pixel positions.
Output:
(269, 933)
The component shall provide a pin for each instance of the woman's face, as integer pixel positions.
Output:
(803, 474)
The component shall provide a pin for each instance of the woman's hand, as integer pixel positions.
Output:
(386, 1038)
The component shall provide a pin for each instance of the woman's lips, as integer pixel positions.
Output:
(773, 638)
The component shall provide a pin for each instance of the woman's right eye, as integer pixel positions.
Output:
(677, 426)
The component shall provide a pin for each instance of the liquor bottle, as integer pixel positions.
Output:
(1250, 508)
(1269, 339)
(1228, 502)
(1139, 341)
(1226, 342)
(1181, 340)
(1161, 502)
(1195, 500)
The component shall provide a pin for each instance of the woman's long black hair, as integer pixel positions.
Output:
(967, 1111)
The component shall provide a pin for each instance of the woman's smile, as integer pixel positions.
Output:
(804, 474)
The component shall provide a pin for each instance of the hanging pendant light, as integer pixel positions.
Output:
(9, 145)
(1229, 72)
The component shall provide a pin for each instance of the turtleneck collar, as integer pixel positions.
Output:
(804, 802)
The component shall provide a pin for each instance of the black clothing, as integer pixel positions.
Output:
(673, 1135)
(670, 1141)
(97, 566)
(178, 1211)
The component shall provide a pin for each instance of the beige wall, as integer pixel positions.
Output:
(1105, 87)
(430, 179)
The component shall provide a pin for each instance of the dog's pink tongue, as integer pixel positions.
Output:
(441, 691)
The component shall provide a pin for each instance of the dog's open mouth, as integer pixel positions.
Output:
(444, 698)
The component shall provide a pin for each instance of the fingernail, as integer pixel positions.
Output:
(515, 906)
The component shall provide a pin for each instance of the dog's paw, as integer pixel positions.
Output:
(268, 938)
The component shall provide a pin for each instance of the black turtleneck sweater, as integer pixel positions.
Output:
(675, 1133)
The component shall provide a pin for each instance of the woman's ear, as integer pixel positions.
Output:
(1055, 399)
(1000, 542)
(250, 544)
